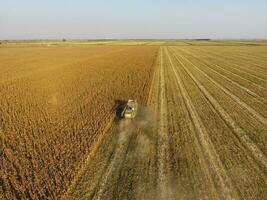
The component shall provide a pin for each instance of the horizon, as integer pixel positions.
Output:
(133, 39)
(120, 20)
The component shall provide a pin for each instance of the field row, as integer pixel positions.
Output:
(54, 103)
(228, 129)
(200, 132)
(205, 137)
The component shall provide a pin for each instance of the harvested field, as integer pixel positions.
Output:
(200, 131)
(205, 137)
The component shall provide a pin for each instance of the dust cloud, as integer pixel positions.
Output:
(142, 126)
(142, 132)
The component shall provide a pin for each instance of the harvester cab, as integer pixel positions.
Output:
(130, 110)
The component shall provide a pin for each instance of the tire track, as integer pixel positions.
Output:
(246, 65)
(117, 160)
(138, 175)
(258, 116)
(247, 61)
(242, 71)
(256, 96)
(250, 62)
(163, 139)
(237, 75)
(240, 133)
(226, 189)
(184, 134)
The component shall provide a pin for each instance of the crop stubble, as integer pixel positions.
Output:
(206, 132)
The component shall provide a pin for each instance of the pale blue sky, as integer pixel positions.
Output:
(81, 19)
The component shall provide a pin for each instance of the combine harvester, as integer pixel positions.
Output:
(130, 110)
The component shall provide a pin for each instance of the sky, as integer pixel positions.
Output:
(133, 19)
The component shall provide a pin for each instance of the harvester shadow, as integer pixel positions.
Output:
(119, 106)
